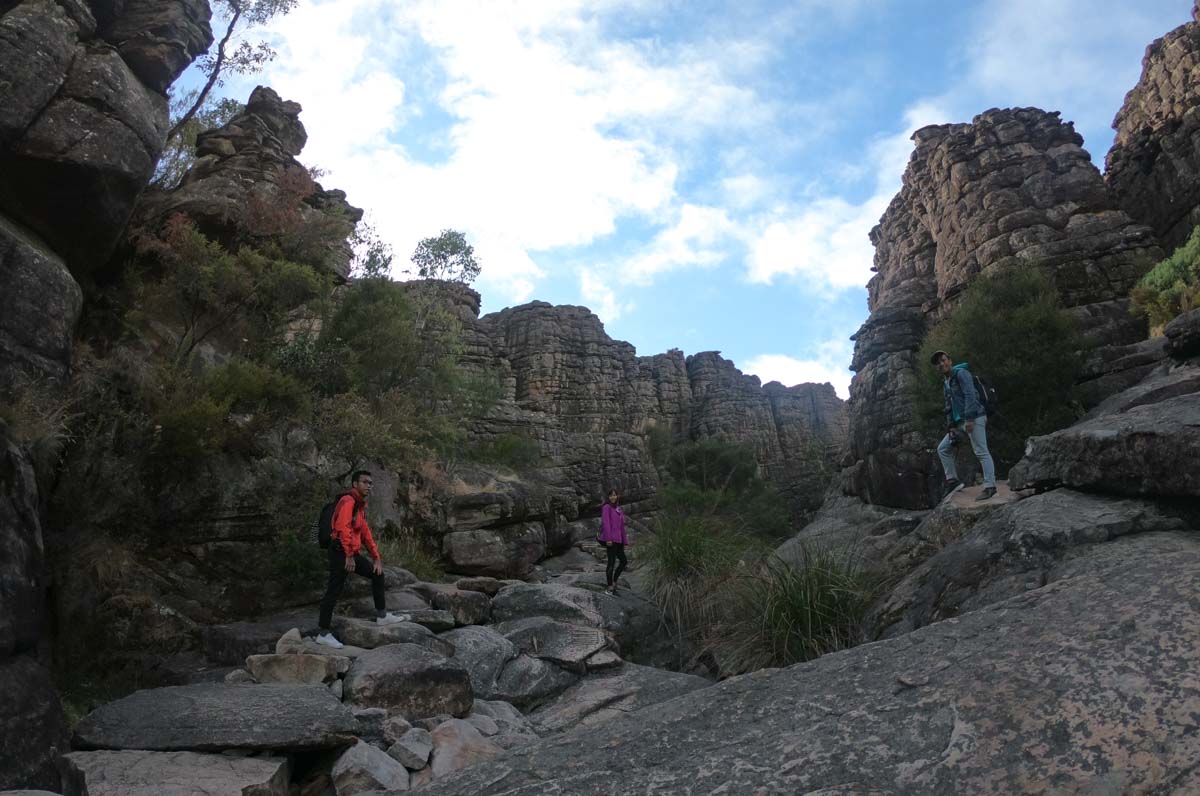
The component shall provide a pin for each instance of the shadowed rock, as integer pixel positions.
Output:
(213, 717)
(135, 773)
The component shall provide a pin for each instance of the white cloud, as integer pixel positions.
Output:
(601, 297)
(553, 131)
(700, 236)
(825, 241)
(828, 364)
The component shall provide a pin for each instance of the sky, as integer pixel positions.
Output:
(702, 175)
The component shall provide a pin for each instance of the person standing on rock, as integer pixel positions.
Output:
(964, 414)
(350, 534)
(614, 539)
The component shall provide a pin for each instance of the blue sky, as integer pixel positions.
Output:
(703, 175)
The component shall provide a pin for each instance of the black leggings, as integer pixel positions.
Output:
(337, 579)
(616, 553)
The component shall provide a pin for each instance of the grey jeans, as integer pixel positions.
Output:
(978, 438)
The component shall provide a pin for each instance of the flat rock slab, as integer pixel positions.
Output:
(600, 698)
(569, 646)
(368, 634)
(1086, 685)
(298, 669)
(488, 586)
(467, 607)
(409, 680)
(218, 716)
(1149, 450)
(136, 773)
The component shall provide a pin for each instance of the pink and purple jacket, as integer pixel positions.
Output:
(612, 524)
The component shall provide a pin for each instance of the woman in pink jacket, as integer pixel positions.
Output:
(613, 537)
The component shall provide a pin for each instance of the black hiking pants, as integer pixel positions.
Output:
(616, 562)
(337, 579)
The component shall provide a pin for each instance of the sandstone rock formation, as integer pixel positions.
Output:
(1012, 189)
(590, 402)
(135, 773)
(246, 167)
(1153, 168)
(83, 113)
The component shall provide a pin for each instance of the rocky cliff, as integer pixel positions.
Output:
(1153, 165)
(1012, 189)
(590, 403)
(83, 117)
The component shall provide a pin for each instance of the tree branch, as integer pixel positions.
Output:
(177, 128)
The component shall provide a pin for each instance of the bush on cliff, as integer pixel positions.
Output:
(1011, 329)
(1172, 287)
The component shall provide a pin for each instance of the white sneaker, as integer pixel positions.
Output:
(329, 641)
(392, 619)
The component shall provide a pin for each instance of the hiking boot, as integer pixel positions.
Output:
(949, 485)
(328, 640)
(987, 494)
(392, 619)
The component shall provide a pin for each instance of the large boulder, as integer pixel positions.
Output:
(457, 744)
(568, 646)
(1183, 334)
(369, 634)
(510, 551)
(1148, 450)
(1085, 683)
(467, 607)
(499, 671)
(33, 732)
(42, 303)
(215, 717)
(409, 680)
(1010, 551)
(564, 603)
(159, 39)
(363, 768)
(296, 669)
(600, 698)
(136, 773)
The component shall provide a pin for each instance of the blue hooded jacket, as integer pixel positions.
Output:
(960, 401)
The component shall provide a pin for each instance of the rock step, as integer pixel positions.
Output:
(138, 773)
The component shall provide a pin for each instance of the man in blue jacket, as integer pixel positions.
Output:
(964, 415)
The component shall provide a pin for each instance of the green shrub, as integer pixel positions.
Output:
(1172, 287)
(1010, 329)
(254, 387)
(689, 558)
(780, 615)
(297, 564)
(714, 464)
(510, 450)
(401, 547)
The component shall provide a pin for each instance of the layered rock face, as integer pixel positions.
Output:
(1012, 189)
(590, 403)
(1153, 168)
(83, 119)
(244, 169)
(32, 727)
(84, 113)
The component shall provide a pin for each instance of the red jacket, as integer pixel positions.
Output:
(350, 525)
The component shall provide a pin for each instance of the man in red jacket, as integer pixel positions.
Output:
(350, 534)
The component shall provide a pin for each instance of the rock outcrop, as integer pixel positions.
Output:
(1153, 168)
(590, 404)
(1012, 189)
(244, 172)
(83, 113)
(1033, 690)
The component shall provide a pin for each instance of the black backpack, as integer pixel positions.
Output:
(324, 525)
(988, 398)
